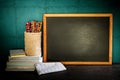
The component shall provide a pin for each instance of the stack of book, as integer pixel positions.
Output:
(19, 61)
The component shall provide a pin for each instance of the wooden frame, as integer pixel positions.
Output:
(109, 62)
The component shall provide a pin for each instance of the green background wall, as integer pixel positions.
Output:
(15, 13)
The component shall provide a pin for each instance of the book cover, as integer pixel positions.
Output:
(17, 52)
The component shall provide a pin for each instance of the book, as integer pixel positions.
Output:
(20, 69)
(24, 58)
(20, 62)
(17, 56)
(20, 65)
(17, 53)
(50, 67)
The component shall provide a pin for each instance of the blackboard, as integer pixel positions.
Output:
(76, 39)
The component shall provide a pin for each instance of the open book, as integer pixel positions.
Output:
(49, 67)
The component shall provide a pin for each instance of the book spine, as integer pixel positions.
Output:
(25, 58)
(23, 61)
(20, 65)
(17, 55)
(20, 69)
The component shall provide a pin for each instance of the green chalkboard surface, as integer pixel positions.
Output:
(77, 38)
